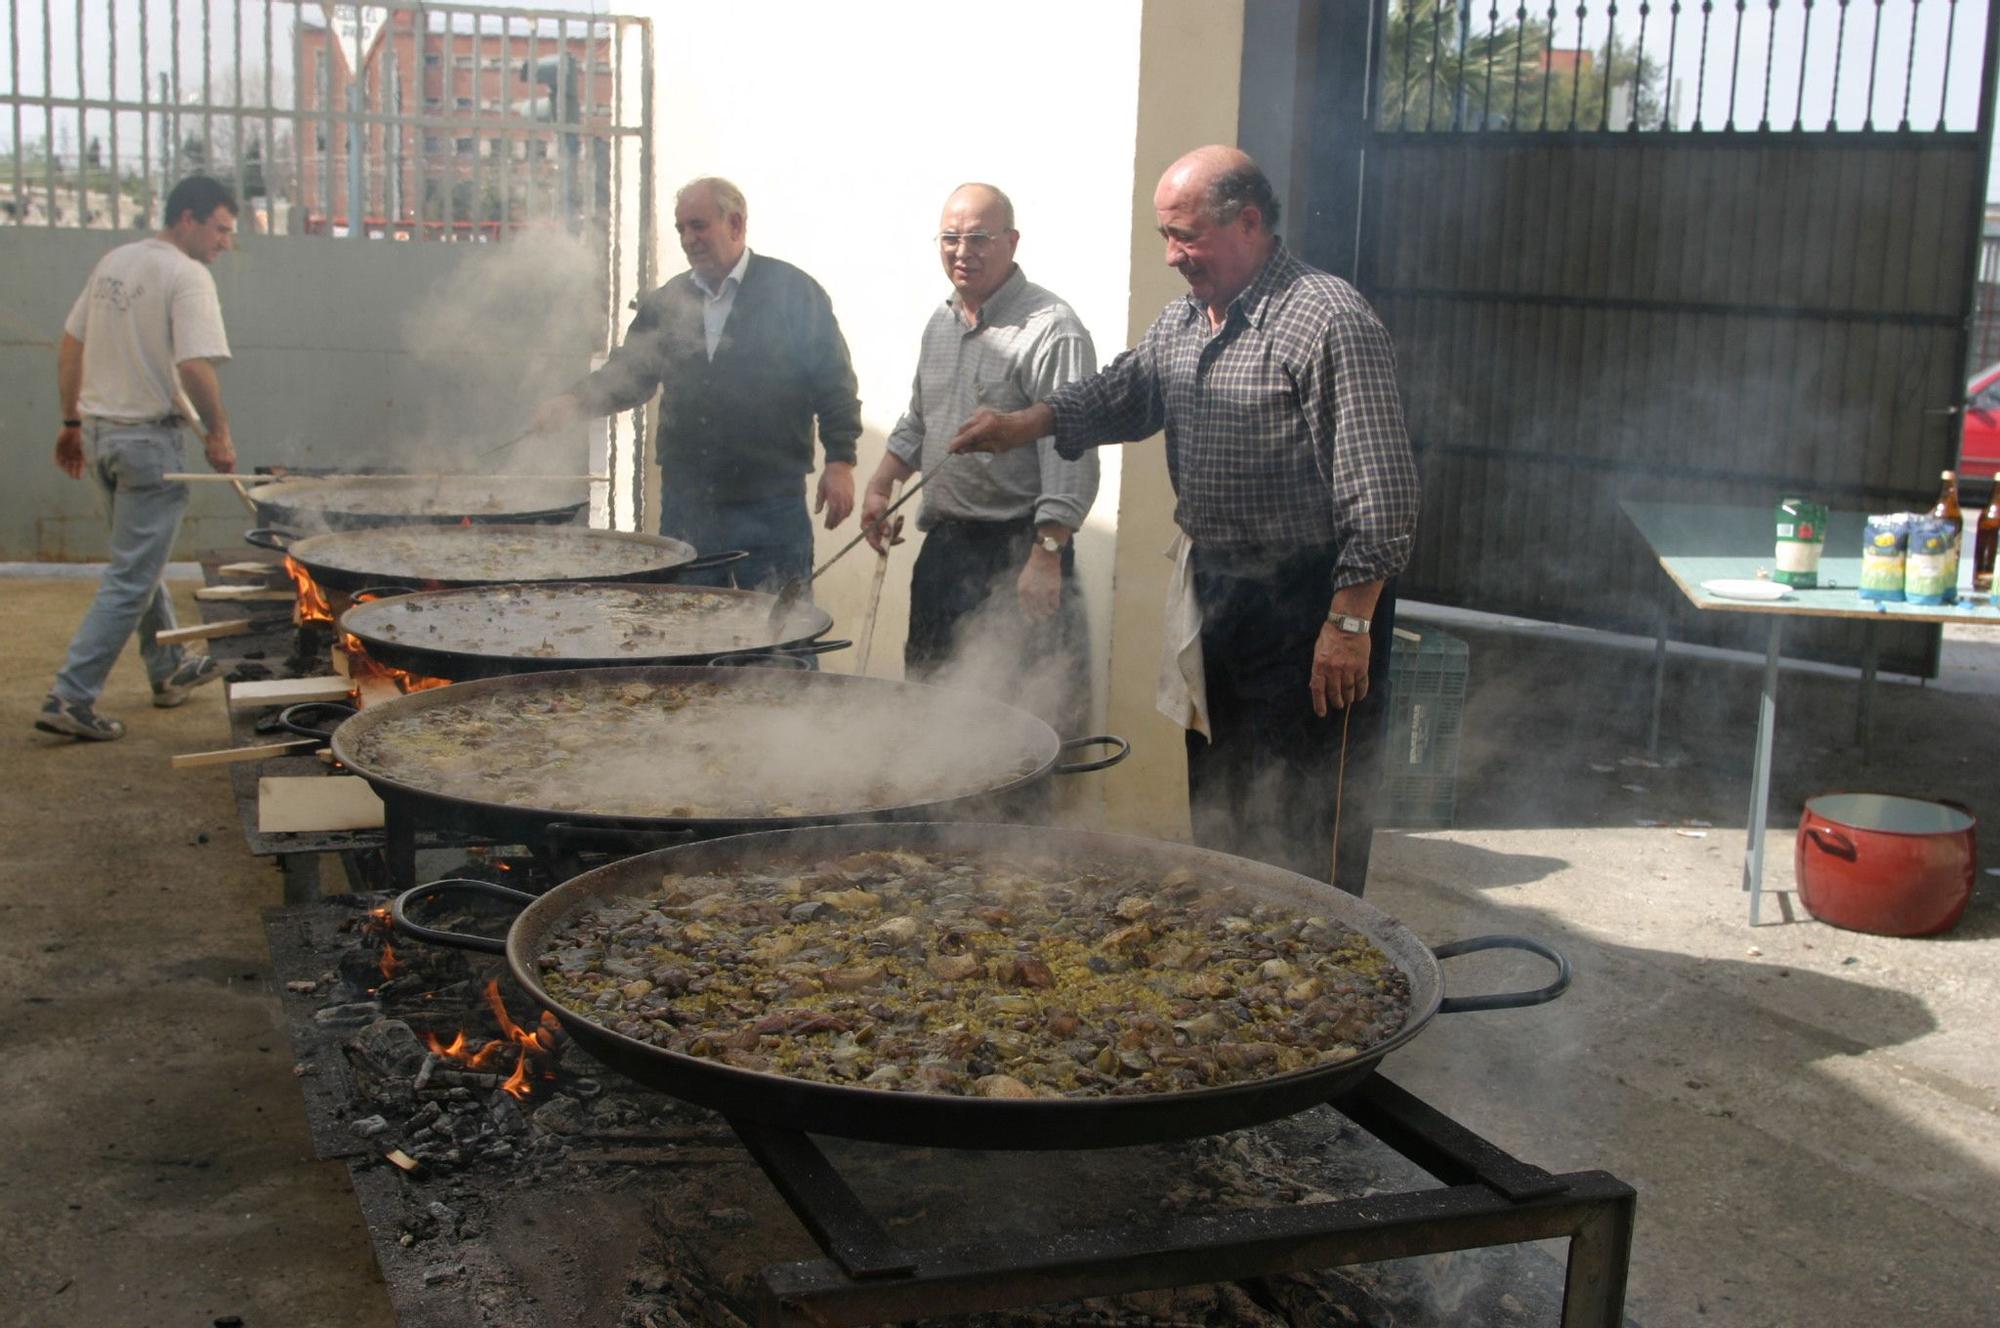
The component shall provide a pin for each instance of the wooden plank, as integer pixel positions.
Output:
(294, 803)
(208, 631)
(246, 594)
(257, 569)
(287, 691)
(228, 755)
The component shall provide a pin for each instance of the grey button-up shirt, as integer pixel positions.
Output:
(1025, 344)
(1284, 427)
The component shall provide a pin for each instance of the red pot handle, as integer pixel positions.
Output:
(1832, 841)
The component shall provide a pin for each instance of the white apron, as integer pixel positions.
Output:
(1183, 689)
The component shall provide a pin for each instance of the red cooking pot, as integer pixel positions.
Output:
(1892, 866)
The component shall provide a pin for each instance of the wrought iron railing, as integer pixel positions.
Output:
(1682, 66)
(403, 119)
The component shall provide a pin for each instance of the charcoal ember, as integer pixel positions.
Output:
(354, 1014)
(247, 673)
(615, 1111)
(361, 969)
(390, 1047)
(426, 1116)
(439, 1273)
(562, 1115)
(470, 1127)
(369, 1126)
(506, 1113)
(443, 1214)
(583, 1088)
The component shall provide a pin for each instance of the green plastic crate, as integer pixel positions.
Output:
(1426, 713)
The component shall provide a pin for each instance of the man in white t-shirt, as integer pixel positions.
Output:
(140, 345)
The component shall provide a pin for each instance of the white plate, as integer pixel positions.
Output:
(1761, 590)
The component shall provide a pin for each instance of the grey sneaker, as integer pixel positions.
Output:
(75, 719)
(193, 672)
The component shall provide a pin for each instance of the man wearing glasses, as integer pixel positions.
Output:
(993, 598)
(747, 356)
(1297, 497)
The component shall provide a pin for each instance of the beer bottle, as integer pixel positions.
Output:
(1987, 543)
(1947, 508)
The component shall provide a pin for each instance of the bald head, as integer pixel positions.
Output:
(1217, 214)
(976, 242)
(987, 199)
(1225, 180)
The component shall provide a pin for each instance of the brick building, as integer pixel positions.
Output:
(468, 139)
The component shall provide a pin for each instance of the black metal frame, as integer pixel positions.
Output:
(1489, 1197)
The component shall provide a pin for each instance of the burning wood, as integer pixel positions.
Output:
(534, 1052)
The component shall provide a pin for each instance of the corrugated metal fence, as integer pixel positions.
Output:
(1705, 253)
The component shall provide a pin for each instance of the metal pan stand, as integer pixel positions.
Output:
(1488, 1197)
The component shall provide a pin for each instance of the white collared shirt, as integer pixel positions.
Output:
(716, 304)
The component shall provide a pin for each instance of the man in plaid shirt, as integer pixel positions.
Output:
(1275, 384)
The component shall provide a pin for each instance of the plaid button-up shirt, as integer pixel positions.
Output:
(1284, 427)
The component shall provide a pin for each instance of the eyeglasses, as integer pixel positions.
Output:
(973, 242)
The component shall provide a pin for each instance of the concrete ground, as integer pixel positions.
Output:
(1811, 1116)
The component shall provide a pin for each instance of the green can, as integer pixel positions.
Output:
(1801, 536)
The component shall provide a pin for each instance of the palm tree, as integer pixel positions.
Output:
(1440, 74)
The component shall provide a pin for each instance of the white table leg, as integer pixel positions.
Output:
(1760, 773)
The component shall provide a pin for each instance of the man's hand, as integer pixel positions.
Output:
(874, 503)
(835, 495)
(991, 431)
(221, 452)
(1040, 585)
(557, 414)
(69, 451)
(1340, 669)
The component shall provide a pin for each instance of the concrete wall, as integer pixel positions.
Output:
(893, 107)
(346, 353)
(1074, 110)
(1187, 97)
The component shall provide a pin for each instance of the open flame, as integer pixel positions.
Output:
(362, 667)
(533, 1052)
(313, 605)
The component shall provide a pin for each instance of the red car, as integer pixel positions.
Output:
(1979, 450)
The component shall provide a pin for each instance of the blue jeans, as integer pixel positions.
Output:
(127, 464)
(776, 532)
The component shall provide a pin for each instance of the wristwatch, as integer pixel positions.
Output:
(1050, 544)
(1343, 622)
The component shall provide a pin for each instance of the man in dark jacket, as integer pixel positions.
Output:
(746, 355)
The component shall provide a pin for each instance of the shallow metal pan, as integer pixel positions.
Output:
(362, 502)
(492, 631)
(941, 1120)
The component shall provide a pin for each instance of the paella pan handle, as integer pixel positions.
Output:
(1123, 750)
(1505, 1000)
(710, 560)
(292, 718)
(759, 659)
(399, 912)
(813, 648)
(270, 537)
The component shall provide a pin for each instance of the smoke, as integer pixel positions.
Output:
(512, 324)
(1041, 667)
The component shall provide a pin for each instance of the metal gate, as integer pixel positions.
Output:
(405, 120)
(1667, 252)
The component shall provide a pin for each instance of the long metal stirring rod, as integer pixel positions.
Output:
(887, 512)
